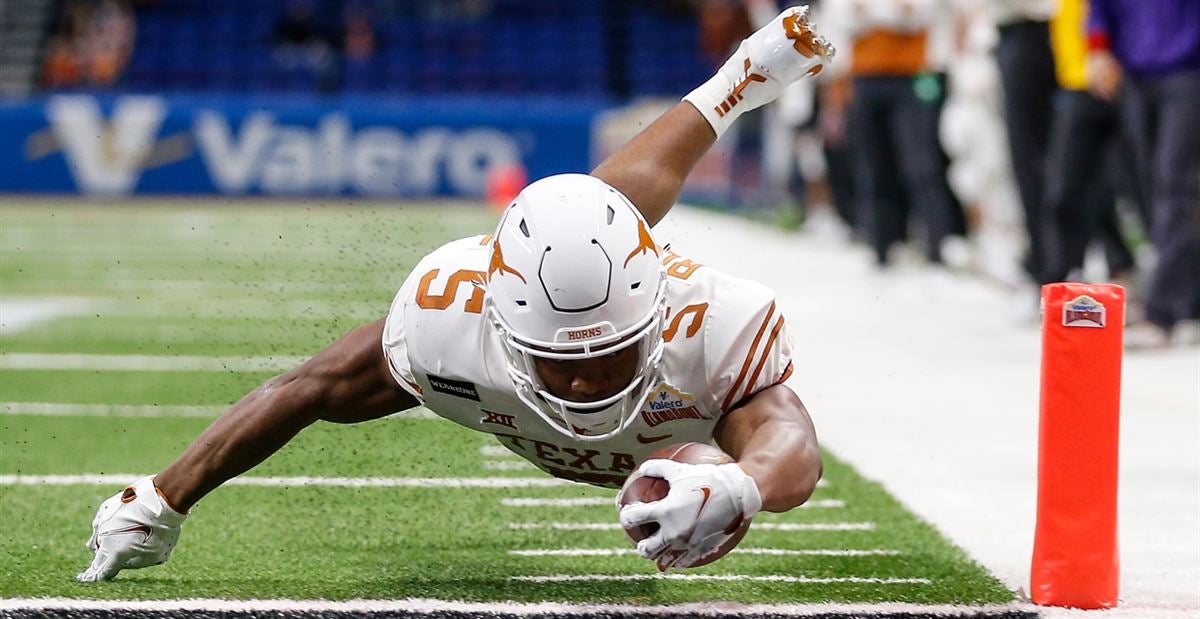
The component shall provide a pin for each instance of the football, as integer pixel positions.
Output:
(641, 489)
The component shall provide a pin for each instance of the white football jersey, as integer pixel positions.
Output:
(725, 340)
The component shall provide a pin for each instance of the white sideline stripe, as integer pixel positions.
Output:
(580, 502)
(496, 451)
(427, 606)
(723, 578)
(764, 526)
(147, 363)
(777, 552)
(117, 479)
(55, 409)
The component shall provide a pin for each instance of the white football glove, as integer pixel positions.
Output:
(133, 528)
(778, 54)
(706, 504)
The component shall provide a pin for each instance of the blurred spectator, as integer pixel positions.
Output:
(300, 44)
(1150, 51)
(1027, 75)
(61, 67)
(108, 41)
(1085, 145)
(885, 48)
(359, 40)
(91, 46)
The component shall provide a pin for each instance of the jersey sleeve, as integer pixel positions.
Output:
(405, 322)
(395, 343)
(751, 348)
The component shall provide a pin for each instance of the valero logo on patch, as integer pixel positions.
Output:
(1083, 311)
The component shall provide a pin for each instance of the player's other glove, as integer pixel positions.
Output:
(780, 53)
(133, 528)
(706, 504)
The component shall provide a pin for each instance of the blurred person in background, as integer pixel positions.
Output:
(1027, 76)
(91, 45)
(1147, 52)
(893, 119)
(1085, 146)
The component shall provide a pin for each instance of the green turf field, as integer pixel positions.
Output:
(258, 285)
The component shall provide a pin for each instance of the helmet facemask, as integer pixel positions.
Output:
(587, 420)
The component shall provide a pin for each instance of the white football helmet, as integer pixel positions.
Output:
(575, 274)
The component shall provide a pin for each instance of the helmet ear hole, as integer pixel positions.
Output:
(635, 285)
(520, 302)
(611, 214)
(524, 229)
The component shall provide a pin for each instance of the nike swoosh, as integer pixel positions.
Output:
(643, 439)
(707, 493)
(139, 528)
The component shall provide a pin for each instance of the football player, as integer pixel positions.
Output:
(570, 335)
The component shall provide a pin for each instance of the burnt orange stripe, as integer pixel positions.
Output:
(749, 358)
(763, 360)
(787, 372)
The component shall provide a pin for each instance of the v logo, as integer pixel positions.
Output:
(106, 157)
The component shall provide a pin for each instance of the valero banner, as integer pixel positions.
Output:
(138, 144)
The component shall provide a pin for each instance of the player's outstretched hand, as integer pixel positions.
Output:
(705, 505)
(778, 54)
(133, 528)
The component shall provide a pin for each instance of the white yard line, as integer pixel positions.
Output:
(20, 313)
(56, 409)
(809, 580)
(496, 451)
(763, 526)
(508, 465)
(579, 502)
(116, 479)
(147, 363)
(589, 501)
(426, 606)
(777, 552)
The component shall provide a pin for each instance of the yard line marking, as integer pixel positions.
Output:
(763, 526)
(56, 409)
(824, 503)
(580, 502)
(496, 451)
(507, 465)
(723, 578)
(147, 363)
(618, 552)
(20, 313)
(316, 608)
(117, 479)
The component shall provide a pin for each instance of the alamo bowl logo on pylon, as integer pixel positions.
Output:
(1083, 311)
(668, 404)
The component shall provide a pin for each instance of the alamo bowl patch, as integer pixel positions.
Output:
(668, 404)
(1083, 311)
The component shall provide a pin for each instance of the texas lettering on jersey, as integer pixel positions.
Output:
(724, 340)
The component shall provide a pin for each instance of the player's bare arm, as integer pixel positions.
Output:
(346, 383)
(773, 440)
(650, 168)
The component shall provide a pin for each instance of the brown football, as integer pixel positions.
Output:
(639, 489)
